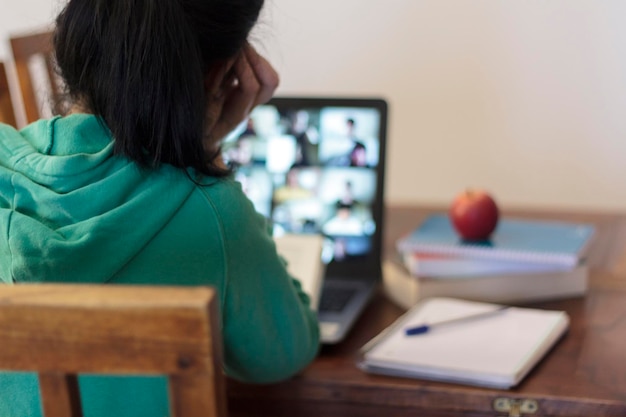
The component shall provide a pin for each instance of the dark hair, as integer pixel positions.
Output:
(140, 66)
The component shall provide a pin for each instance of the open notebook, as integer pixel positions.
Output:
(495, 350)
(303, 254)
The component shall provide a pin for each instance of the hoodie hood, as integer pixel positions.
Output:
(70, 210)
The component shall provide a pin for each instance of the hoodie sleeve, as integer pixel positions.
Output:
(269, 331)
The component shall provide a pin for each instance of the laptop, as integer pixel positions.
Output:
(315, 167)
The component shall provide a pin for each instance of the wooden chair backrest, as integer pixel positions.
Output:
(7, 115)
(60, 330)
(24, 48)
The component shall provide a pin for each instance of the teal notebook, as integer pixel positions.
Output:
(522, 240)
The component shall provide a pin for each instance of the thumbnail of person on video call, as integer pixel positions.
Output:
(305, 136)
(356, 155)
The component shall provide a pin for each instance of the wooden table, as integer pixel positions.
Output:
(583, 376)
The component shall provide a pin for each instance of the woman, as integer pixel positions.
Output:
(129, 188)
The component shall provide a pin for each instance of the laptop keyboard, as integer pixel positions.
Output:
(334, 300)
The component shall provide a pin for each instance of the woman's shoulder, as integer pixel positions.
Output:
(16, 143)
(223, 191)
(227, 196)
(232, 206)
(8, 131)
(59, 135)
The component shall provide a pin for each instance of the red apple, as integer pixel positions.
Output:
(474, 214)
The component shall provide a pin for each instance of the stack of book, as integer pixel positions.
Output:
(524, 260)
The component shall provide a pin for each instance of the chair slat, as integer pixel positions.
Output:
(193, 397)
(24, 48)
(7, 114)
(60, 396)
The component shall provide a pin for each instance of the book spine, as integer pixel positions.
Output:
(452, 266)
(564, 260)
(399, 286)
(405, 290)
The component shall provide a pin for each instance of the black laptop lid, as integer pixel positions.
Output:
(316, 165)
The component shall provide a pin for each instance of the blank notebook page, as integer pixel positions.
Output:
(496, 350)
(303, 254)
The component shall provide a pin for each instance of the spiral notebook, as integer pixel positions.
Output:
(521, 240)
(493, 350)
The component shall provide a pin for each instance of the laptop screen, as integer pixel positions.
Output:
(316, 165)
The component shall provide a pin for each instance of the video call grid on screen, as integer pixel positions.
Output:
(312, 170)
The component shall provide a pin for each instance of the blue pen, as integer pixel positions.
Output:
(425, 328)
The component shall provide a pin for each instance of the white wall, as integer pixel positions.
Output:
(523, 98)
(17, 16)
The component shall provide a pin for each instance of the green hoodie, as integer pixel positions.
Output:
(71, 211)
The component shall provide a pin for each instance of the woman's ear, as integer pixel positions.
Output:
(219, 79)
(218, 82)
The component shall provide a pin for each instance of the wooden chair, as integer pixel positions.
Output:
(7, 115)
(25, 48)
(60, 330)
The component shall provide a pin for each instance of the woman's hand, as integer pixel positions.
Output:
(234, 90)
